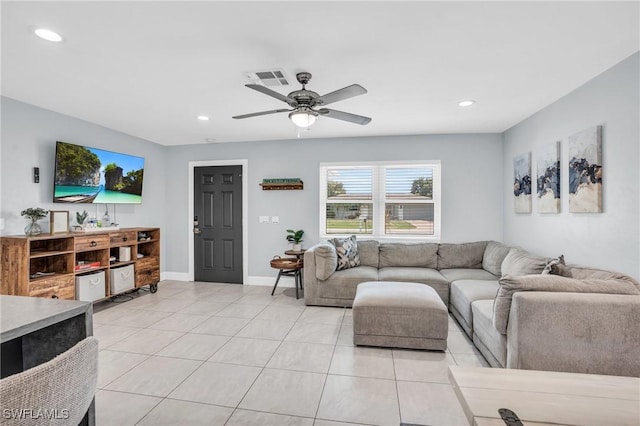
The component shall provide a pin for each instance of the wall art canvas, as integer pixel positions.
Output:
(548, 178)
(585, 171)
(522, 183)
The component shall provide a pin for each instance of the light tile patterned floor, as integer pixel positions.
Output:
(224, 354)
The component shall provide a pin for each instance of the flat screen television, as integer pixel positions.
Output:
(91, 175)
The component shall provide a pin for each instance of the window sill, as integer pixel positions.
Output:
(388, 238)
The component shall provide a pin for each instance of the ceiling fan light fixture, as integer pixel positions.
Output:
(48, 35)
(303, 118)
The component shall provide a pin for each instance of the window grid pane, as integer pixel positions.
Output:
(409, 183)
(409, 219)
(347, 184)
(349, 218)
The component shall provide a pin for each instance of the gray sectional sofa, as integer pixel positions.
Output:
(520, 310)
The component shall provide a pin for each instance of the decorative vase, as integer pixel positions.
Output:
(32, 228)
(297, 247)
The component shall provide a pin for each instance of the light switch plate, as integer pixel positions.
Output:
(275, 219)
(263, 219)
(1, 224)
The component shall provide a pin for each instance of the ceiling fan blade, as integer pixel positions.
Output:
(272, 93)
(256, 114)
(344, 116)
(341, 94)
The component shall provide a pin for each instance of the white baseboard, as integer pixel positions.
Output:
(174, 276)
(270, 281)
(251, 280)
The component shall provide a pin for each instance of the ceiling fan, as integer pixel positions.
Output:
(304, 101)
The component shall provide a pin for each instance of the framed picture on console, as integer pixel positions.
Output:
(59, 221)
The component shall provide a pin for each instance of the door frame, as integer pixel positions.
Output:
(245, 211)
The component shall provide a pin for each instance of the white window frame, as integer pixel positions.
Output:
(379, 199)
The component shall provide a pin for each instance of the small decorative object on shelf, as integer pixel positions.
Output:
(34, 214)
(81, 217)
(106, 219)
(282, 184)
(295, 237)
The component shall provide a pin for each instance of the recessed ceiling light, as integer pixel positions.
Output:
(203, 118)
(48, 35)
(466, 103)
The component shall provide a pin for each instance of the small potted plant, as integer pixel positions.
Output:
(295, 237)
(81, 217)
(34, 214)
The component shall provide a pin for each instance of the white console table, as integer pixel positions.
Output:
(546, 397)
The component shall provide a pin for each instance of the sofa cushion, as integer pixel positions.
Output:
(369, 251)
(464, 293)
(466, 255)
(326, 260)
(521, 262)
(423, 255)
(343, 284)
(428, 276)
(552, 283)
(580, 272)
(485, 336)
(347, 250)
(493, 257)
(467, 274)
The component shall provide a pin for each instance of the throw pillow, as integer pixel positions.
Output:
(553, 266)
(347, 251)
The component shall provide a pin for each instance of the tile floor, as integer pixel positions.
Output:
(222, 354)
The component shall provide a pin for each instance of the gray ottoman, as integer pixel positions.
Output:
(399, 315)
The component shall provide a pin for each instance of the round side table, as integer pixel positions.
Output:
(288, 267)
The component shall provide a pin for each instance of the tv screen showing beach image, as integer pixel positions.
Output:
(91, 175)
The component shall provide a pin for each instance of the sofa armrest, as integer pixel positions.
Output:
(309, 277)
(575, 332)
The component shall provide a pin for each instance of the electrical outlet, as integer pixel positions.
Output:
(263, 219)
(275, 219)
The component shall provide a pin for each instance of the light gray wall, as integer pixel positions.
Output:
(608, 240)
(471, 174)
(29, 136)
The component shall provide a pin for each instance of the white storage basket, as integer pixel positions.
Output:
(122, 279)
(90, 287)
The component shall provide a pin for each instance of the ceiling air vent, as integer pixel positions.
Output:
(269, 78)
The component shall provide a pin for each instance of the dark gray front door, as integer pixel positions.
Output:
(218, 234)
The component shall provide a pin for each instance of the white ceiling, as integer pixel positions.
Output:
(148, 68)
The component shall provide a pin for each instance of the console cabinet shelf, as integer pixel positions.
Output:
(47, 265)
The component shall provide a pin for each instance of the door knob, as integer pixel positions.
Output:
(196, 229)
